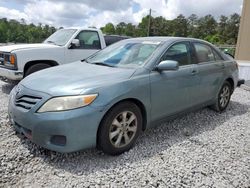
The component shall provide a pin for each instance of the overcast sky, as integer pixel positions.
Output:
(84, 13)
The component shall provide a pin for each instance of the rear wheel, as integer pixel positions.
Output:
(223, 97)
(36, 67)
(120, 128)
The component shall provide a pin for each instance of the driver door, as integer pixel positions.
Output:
(89, 44)
(174, 91)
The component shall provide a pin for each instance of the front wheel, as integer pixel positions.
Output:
(223, 97)
(120, 128)
(36, 67)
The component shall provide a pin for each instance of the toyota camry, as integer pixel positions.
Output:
(108, 99)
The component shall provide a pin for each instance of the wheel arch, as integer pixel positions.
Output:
(231, 81)
(30, 63)
(136, 102)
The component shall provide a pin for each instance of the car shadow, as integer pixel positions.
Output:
(153, 142)
(7, 87)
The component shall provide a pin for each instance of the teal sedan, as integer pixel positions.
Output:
(107, 100)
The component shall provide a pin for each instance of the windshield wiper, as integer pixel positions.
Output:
(103, 64)
(52, 42)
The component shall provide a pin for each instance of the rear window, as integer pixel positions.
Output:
(109, 39)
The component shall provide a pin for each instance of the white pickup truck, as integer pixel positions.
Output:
(64, 46)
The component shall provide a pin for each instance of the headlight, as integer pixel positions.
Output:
(67, 103)
(8, 59)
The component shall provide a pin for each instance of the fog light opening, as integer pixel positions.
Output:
(59, 140)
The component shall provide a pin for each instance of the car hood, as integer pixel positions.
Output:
(74, 78)
(15, 47)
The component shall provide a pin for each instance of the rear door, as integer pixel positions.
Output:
(211, 69)
(89, 44)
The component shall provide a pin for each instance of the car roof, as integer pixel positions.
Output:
(166, 39)
(81, 28)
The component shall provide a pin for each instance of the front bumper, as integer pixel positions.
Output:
(8, 74)
(65, 131)
(240, 82)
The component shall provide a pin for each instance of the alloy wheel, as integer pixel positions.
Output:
(123, 129)
(224, 96)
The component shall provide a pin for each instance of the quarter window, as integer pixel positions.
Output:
(204, 53)
(88, 40)
(179, 52)
(216, 55)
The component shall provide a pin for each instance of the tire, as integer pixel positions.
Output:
(119, 128)
(223, 97)
(36, 67)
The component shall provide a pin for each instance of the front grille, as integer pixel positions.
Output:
(2, 59)
(26, 101)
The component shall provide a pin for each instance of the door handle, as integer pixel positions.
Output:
(194, 72)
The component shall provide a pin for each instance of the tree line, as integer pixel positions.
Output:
(221, 31)
(20, 32)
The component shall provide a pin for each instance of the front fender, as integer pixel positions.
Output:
(37, 54)
(135, 88)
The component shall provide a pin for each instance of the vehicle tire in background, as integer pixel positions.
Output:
(223, 97)
(36, 67)
(119, 128)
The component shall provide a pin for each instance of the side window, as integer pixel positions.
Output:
(217, 57)
(204, 53)
(88, 40)
(179, 52)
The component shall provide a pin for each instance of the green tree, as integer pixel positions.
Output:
(121, 28)
(206, 28)
(109, 28)
(222, 29)
(232, 28)
(143, 27)
(192, 26)
(180, 26)
(130, 30)
(158, 26)
(20, 32)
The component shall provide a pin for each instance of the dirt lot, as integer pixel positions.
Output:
(201, 149)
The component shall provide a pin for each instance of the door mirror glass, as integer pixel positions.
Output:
(75, 43)
(168, 65)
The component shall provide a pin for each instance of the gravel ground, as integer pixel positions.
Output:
(201, 149)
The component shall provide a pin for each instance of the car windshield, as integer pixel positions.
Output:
(130, 54)
(60, 37)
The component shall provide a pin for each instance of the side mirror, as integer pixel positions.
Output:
(75, 43)
(167, 65)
